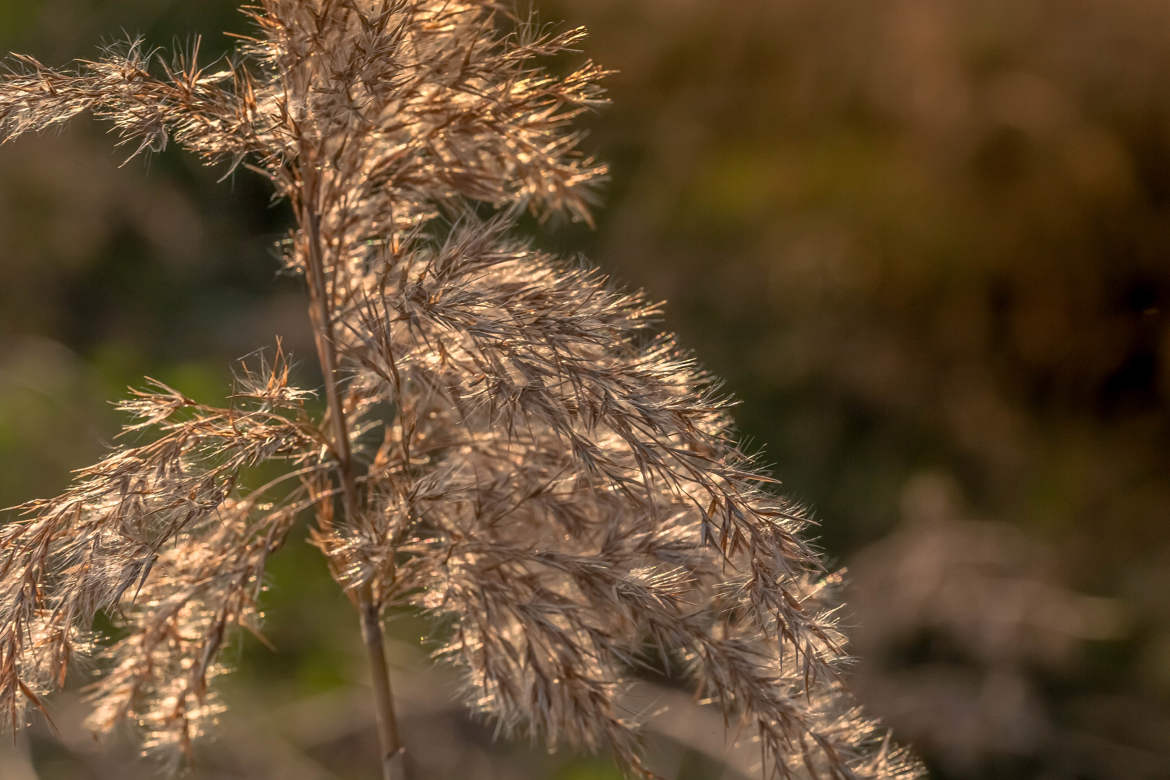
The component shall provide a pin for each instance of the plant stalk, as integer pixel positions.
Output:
(393, 753)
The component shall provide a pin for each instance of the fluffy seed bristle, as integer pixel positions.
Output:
(553, 481)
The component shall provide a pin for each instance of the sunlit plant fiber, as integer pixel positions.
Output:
(507, 445)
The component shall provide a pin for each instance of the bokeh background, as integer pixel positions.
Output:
(927, 242)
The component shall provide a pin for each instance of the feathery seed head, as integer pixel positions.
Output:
(509, 447)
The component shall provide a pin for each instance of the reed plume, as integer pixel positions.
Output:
(507, 444)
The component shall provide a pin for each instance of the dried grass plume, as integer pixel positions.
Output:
(508, 445)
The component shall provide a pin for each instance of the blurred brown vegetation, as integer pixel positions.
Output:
(927, 243)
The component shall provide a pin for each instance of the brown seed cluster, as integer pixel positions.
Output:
(508, 445)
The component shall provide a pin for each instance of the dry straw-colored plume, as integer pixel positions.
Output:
(507, 445)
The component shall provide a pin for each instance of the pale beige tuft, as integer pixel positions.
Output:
(508, 445)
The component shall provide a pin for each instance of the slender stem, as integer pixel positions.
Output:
(393, 754)
(323, 335)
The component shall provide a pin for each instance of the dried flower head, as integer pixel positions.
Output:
(507, 446)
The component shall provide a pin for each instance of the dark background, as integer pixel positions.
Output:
(925, 241)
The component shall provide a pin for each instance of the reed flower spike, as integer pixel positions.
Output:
(507, 447)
